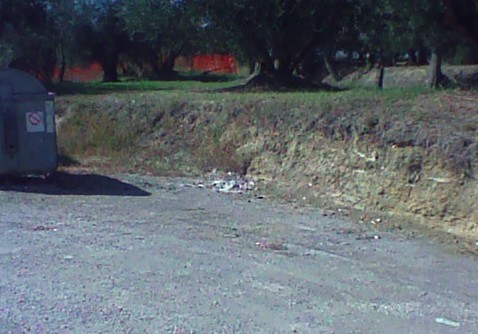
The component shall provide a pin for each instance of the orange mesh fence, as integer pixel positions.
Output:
(92, 72)
(225, 64)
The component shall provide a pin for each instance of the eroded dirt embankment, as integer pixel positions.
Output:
(393, 157)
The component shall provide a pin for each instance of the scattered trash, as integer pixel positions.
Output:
(271, 245)
(45, 228)
(230, 183)
(447, 322)
(370, 237)
(236, 186)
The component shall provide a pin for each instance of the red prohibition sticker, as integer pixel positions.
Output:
(34, 118)
(35, 121)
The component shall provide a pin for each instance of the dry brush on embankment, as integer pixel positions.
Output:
(406, 154)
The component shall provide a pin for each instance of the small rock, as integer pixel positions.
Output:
(326, 213)
(231, 235)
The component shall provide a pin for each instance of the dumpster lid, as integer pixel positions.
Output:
(21, 82)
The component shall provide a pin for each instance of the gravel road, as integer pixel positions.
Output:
(140, 254)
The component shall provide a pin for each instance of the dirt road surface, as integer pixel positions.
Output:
(139, 254)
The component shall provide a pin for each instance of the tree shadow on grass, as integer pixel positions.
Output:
(266, 83)
(206, 76)
(177, 81)
(63, 183)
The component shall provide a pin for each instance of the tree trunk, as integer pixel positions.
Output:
(252, 65)
(139, 69)
(110, 73)
(47, 66)
(153, 61)
(461, 16)
(330, 68)
(380, 75)
(370, 60)
(302, 55)
(168, 63)
(110, 67)
(284, 67)
(435, 74)
(61, 74)
(267, 66)
(62, 71)
(412, 58)
(422, 57)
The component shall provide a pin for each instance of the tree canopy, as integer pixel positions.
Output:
(280, 35)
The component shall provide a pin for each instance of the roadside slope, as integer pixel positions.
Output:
(397, 157)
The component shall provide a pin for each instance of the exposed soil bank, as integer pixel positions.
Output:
(395, 157)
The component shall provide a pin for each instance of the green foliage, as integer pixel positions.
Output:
(101, 32)
(397, 26)
(161, 30)
(282, 30)
(282, 35)
(27, 36)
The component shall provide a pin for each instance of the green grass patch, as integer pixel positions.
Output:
(185, 83)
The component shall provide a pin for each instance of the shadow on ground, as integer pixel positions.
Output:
(62, 183)
(65, 160)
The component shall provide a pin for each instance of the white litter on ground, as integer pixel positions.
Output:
(230, 183)
(447, 322)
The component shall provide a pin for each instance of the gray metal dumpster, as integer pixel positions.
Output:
(27, 125)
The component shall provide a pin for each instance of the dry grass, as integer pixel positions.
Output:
(205, 130)
(427, 143)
